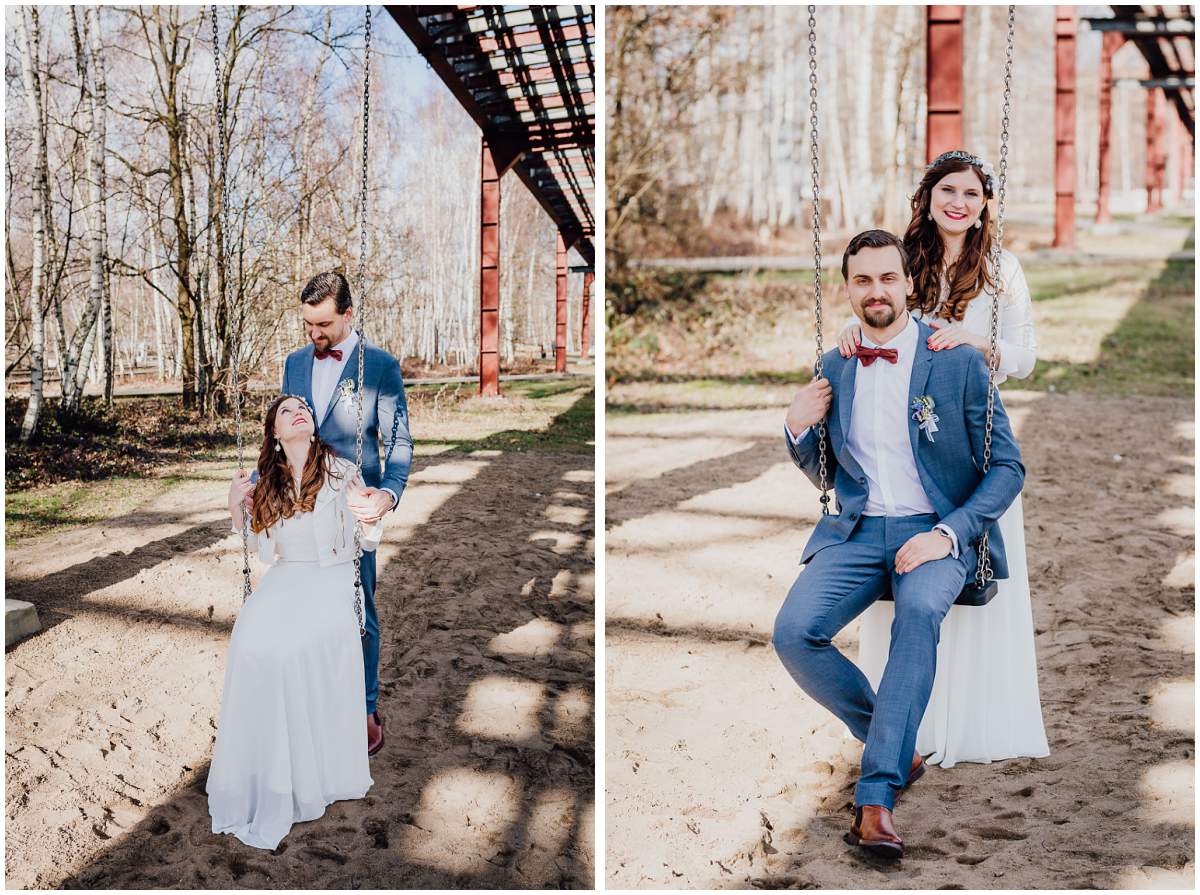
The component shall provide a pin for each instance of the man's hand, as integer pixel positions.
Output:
(920, 549)
(809, 406)
(368, 504)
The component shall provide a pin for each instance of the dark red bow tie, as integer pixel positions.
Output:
(868, 355)
(336, 354)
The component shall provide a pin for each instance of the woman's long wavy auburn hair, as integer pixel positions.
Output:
(274, 495)
(969, 275)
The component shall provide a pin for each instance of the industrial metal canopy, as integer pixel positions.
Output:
(526, 75)
(1166, 38)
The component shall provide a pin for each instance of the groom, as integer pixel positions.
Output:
(911, 507)
(326, 373)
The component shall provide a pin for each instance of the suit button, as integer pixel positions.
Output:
(862, 481)
(853, 516)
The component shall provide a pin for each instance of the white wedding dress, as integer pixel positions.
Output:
(985, 705)
(292, 737)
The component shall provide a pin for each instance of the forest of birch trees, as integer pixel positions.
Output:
(708, 140)
(113, 200)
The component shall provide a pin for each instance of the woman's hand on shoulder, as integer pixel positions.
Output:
(951, 335)
(849, 339)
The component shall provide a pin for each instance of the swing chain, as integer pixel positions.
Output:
(983, 572)
(819, 370)
(362, 345)
(220, 110)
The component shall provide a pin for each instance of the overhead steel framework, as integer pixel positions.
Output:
(526, 75)
(1166, 38)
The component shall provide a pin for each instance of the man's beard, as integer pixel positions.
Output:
(887, 315)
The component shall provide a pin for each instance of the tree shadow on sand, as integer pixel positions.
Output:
(1112, 806)
(486, 679)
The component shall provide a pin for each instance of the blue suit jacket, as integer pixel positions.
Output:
(949, 466)
(385, 412)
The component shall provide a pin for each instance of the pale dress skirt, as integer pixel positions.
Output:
(292, 738)
(985, 705)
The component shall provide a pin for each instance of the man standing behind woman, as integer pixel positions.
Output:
(985, 705)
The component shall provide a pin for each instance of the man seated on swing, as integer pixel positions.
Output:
(904, 448)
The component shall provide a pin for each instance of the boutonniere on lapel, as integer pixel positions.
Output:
(346, 388)
(922, 408)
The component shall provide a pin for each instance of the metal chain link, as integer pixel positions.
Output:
(220, 110)
(819, 371)
(983, 571)
(362, 345)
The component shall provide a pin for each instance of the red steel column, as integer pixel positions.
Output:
(1153, 148)
(1064, 127)
(489, 275)
(560, 307)
(1180, 153)
(1163, 140)
(1111, 42)
(943, 80)
(587, 306)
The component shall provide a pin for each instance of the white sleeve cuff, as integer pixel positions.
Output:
(395, 499)
(795, 439)
(949, 532)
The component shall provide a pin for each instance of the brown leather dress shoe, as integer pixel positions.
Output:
(916, 771)
(872, 830)
(374, 733)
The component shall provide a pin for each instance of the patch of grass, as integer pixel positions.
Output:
(1151, 351)
(571, 432)
(68, 504)
(1050, 283)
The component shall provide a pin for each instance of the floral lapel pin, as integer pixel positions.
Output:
(346, 388)
(922, 408)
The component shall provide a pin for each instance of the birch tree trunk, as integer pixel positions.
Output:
(33, 91)
(97, 151)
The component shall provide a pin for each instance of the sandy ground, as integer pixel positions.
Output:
(486, 603)
(721, 773)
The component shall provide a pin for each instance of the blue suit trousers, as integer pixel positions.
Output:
(837, 585)
(371, 623)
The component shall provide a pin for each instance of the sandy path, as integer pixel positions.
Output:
(486, 609)
(721, 773)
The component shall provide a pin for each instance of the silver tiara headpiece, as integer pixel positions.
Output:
(303, 400)
(961, 155)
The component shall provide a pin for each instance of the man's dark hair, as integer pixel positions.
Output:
(873, 239)
(329, 284)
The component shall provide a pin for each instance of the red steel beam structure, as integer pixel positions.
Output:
(943, 80)
(560, 306)
(584, 333)
(1153, 149)
(1064, 127)
(1179, 130)
(489, 273)
(1110, 43)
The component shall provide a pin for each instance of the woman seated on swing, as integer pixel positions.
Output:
(291, 738)
(985, 704)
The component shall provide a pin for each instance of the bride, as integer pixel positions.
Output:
(985, 704)
(291, 738)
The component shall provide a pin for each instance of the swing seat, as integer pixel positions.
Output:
(972, 594)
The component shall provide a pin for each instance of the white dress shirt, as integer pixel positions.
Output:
(327, 373)
(878, 437)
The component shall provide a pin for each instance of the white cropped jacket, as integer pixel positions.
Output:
(334, 524)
